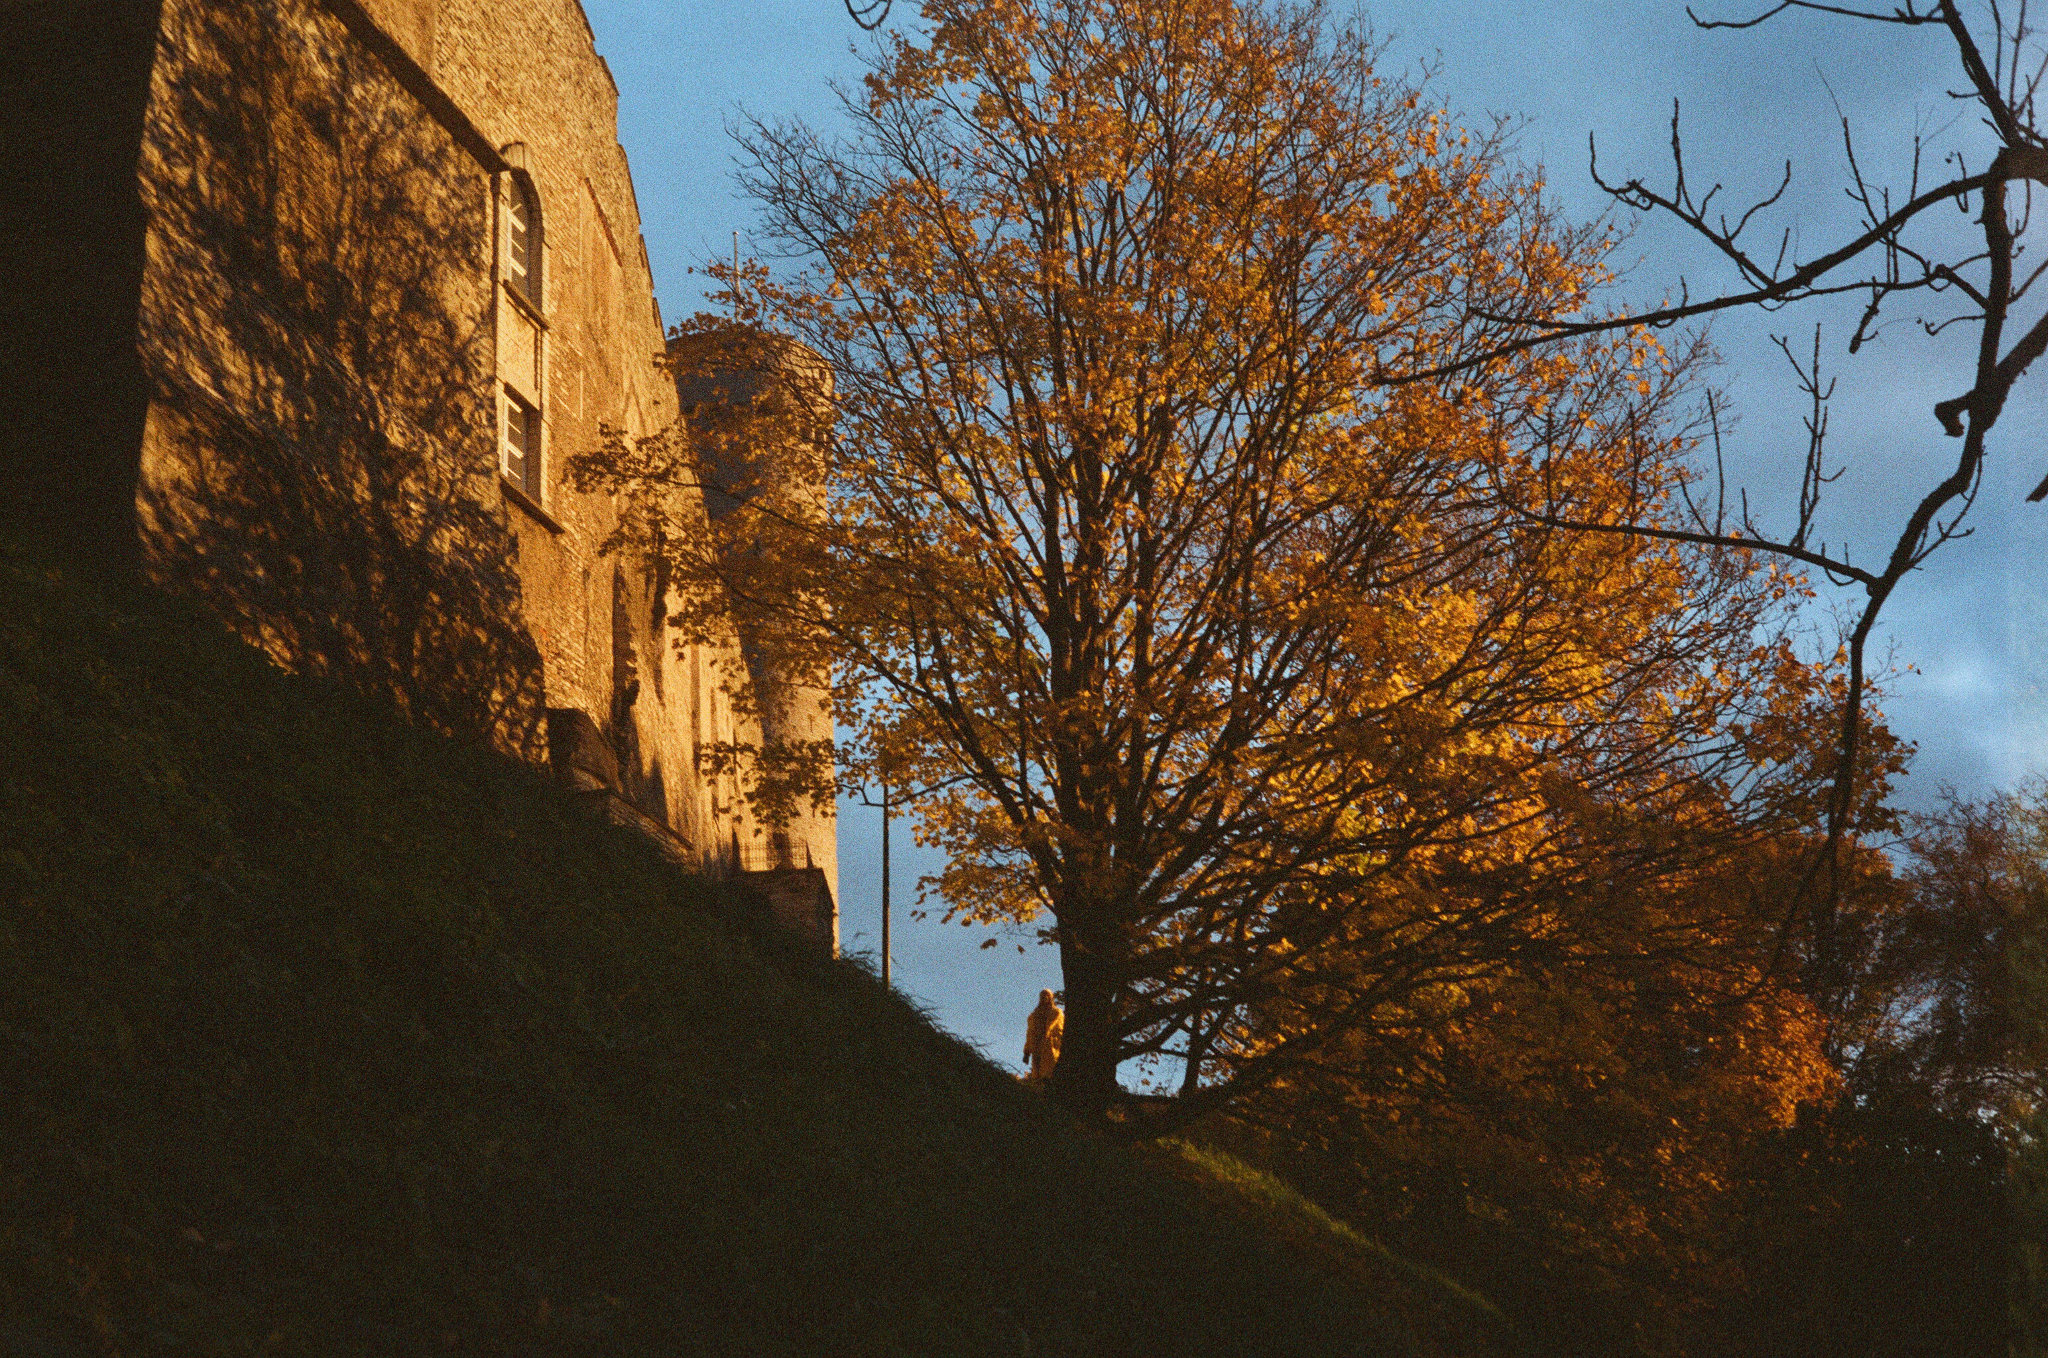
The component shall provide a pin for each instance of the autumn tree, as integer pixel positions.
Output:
(1247, 678)
(1931, 990)
(1952, 976)
(1577, 1137)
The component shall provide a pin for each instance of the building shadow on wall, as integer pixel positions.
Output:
(321, 459)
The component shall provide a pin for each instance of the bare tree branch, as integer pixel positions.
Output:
(1879, 261)
(869, 14)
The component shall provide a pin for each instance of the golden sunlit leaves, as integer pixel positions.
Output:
(1264, 683)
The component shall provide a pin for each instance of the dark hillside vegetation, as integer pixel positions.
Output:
(321, 1035)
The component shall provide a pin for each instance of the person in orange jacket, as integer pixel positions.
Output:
(1042, 1034)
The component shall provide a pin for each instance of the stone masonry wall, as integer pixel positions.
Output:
(529, 76)
(331, 342)
(315, 325)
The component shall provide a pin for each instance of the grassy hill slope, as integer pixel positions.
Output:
(319, 1035)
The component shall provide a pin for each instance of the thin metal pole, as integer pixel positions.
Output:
(885, 883)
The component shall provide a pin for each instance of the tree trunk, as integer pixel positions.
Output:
(1085, 1080)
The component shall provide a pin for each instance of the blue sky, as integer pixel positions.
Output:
(1973, 624)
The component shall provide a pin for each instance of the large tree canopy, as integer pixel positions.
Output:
(1258, 685)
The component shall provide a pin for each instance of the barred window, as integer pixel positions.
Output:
(522, 445)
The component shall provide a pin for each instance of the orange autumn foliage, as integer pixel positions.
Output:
(1252, 683)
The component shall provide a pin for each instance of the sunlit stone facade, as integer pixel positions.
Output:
(392, 278)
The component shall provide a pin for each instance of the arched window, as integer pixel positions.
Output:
(521, 333)
(522, 240)
(522, 337)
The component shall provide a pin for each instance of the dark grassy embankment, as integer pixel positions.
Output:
(319, 1035)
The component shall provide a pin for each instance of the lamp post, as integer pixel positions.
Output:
(885, 883)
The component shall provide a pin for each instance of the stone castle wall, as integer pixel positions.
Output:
(334, 350)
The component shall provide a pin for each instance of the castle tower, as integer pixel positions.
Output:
(742, 380)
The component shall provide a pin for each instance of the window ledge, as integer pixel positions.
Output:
(530, 505)
(524, 303)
